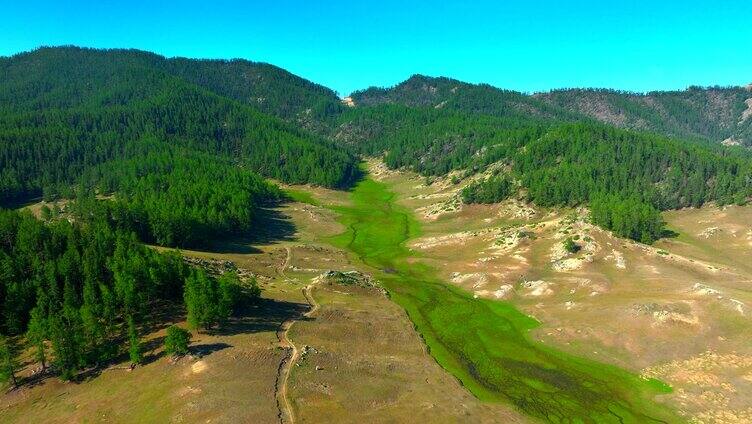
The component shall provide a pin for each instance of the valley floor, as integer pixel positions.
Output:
(676, 311)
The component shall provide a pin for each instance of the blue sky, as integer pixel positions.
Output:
(349, 44)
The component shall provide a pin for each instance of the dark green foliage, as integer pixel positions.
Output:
(570, 246)
(627, 217)
(571, 162)
(266, 87)
(65, 110)
(251, 290)
(179, 198)
(134, 343)
(37, 333)
(78, 284)
(176, 341)
(490, 190)
(208, 300)
(8, 360)
(435, 141)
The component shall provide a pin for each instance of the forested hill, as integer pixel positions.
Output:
(266, 87)
(65, 110)
(450, 94)
(717, 114)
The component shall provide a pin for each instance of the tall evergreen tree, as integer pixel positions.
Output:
(8, 360)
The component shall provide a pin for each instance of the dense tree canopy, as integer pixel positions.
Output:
(180, 198)
(88, 287)
(490, 190)
(63, 111)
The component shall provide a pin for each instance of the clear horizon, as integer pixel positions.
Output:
(638, 47)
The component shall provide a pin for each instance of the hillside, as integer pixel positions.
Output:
(451, 94)
(718, 114)
(554, 162)
(64, 110)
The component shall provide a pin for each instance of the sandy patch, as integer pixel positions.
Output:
(618, 259)
(537, 288)
(198, 367)
(504, 291)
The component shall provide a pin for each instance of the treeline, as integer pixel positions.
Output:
(572, 162)
(627, 177)
(83, 293)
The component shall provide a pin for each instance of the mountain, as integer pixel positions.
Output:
(717, 114)
(65, 110)
(451, 94)
(266, 87)
(85, 118)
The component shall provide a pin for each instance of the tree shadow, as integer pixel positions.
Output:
(207, 348)
(251, 316)
(270, 225)
(359, 174)
(669, 233)
(22, 201)
(262, 315)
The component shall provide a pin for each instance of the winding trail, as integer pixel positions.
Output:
(286, 414)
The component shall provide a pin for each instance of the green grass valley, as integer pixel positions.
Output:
(207, 240)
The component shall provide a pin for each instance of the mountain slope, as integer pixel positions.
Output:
(715, 113)
(450, 94)
(63, 110)
(266, 87)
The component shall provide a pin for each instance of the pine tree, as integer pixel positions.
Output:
(36, 332)
(134, 349)
(209, 301)
(176, 341)
(8, 361)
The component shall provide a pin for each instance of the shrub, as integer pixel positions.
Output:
(570, 246)
(176, 342)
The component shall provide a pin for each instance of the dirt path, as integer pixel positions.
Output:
(286, 415)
